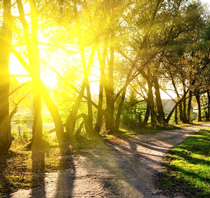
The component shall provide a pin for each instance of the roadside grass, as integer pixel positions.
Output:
(187, 167)
(147, 130)
(16, 168)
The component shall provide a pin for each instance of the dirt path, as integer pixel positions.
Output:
(120, 170)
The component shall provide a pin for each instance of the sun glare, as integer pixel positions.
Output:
(16, 70)
(49, 79)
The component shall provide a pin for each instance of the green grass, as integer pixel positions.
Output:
(16, 170)
(188, 166)
(147, 130)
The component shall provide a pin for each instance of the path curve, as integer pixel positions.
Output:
(120, 170)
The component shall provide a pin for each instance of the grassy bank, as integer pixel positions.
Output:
(187, 167)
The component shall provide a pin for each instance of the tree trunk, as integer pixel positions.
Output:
(102, 60)
(189, 106)
(184, 114)
(71, 119)
(149, 103)
(197, 96)
(122, 99)
(171, 113)
(50, 105)
(56, 117)
(146, 116)
(117, 121)
(33, 57)
(35, 66)
(5, 44)
(180, 112)
(110, 95)
(90, 110)
(161, 114)
(208, 95)
(176, 116)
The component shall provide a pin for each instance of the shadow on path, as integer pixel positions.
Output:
(38, 167)
(5, 185)
(66, 177)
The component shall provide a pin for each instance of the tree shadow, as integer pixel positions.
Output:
(5, 184)
(61, 185)
(190, 179)
(122, 169)
(66, 177)
(38, 169)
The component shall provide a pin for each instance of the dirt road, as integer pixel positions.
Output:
(125, 169)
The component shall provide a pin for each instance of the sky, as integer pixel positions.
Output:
(206, 2)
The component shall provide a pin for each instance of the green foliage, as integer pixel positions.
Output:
(132, 112)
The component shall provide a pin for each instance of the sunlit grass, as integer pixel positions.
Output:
(188, 166)
(17, 169)
(147, 129)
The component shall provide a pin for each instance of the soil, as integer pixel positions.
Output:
(125, 167)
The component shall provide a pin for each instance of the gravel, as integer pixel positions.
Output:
(126, 168)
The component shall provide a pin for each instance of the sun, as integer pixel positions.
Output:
(49, 79)
(16, 70)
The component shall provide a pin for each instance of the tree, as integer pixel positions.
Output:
(5, 45)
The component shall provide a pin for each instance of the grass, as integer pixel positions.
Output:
(16, 168)
(147, 130)
(187, 167)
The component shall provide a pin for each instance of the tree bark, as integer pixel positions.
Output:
(90, 109)
(110, 95)
(5, 44)
(71, 119)
(102, 60)
(197, 96)
(189, 106)
(161, 114)
(208, 95)
(122, 99)
(176, 116)
(180, 112)
(50, 105)
(35, 65)
(150, 103)
(184, 110)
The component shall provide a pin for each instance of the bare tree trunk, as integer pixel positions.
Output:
(161, 114)
(71, 119)
(146, 116)
(90, 110)
(180, 112)
(56, 118)
(122, 99)
(184, 114)
(110, 95)
(189, 106)
(117, 121)
(176, 116)
(102, 60)
(5, 44)
(35, 65)
(208, 95)
(50, 105)
(33, 57)
(149, 103)
(197, 96)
